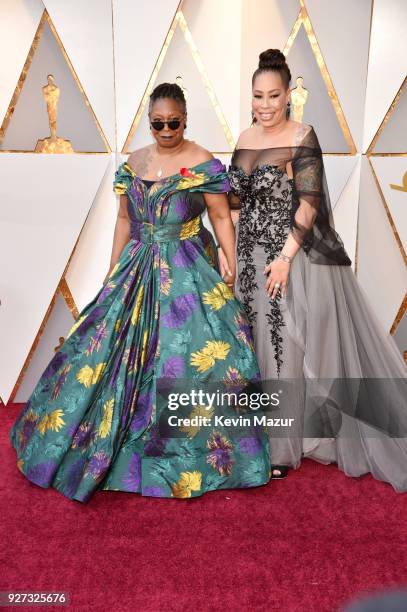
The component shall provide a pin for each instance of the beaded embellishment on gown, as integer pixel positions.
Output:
(323, 336)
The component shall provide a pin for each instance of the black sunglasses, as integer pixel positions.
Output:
(173, 124)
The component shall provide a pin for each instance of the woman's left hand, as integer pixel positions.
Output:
(278, 272)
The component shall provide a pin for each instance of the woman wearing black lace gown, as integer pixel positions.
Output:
(312, 324)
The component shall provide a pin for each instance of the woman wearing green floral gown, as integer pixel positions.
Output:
(163, 313)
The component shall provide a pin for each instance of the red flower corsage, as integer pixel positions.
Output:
(186, 173)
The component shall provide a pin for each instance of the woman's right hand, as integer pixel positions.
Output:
(228, 275)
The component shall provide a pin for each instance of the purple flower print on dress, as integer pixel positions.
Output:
(173, 367)
(74, 476)
(185, 255)
(165, 278)
(156, 445)
(97, 465)
(181, 205)
(108, 288)
(244, 332)
(220, 456)
(153, 491)
(97, 312)
(250, 445)
(42, 473)
(142, 416)
(55, 363)
(180, 310)
(216, 167)
(25, 433)
(132, 479)
(84, 436)
(152, 349)
(136, 191)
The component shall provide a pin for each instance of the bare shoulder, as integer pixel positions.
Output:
(198, 154)
(246, 138)
(140, 158)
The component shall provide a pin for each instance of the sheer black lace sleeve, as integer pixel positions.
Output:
(311, 216)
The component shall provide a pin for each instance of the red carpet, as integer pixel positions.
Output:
(309, 543)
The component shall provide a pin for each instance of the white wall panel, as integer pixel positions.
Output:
(58, 325)
(140, 29)
(90, 261)
(381, 270)
(391, 171)
(346, 212)
(220, 52)
(41, 217)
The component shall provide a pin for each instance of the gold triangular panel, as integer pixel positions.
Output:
(318, 109)
(399, 329)
(52, 335)
(182, 63)
(61, 111)
(392, 134)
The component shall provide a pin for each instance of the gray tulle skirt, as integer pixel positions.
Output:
(345, 379)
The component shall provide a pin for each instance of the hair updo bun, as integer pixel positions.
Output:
(273, 60)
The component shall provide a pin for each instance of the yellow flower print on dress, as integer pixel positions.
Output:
(190, 228)
(188, 482)
(220, 456)
(165, 280)
(233, 378)
(205, 359)
(76, 325)
(218, 296)
(189, 179)
(106, 422)
(52, 421)
(199, 411)
(137, 308)
(89, 376)
(144, 349)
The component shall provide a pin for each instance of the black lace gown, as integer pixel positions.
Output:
(345, 379)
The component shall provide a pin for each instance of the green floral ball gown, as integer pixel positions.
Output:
(92, 422)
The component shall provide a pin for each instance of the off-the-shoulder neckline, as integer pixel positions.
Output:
(164, 178)
(268, 148)
(281, 147)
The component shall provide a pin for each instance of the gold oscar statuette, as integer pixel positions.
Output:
(52, 144)
(403, 186)
(299, 97)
